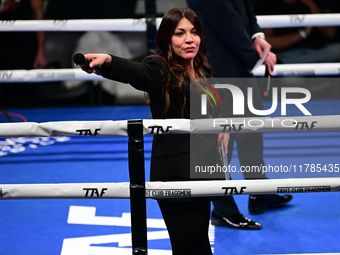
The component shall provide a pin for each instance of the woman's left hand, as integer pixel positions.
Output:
(225, 141)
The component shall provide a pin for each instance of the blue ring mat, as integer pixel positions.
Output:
(308, 224)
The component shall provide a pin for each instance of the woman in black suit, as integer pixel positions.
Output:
(179, 56)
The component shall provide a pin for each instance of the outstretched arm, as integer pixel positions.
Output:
(144, 76)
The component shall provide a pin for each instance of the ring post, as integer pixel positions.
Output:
(137, 187)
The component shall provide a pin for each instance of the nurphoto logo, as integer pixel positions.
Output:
(238, 100)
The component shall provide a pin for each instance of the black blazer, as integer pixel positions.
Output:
(228, 26)
(170, 158)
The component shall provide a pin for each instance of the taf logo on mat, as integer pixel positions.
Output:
(115, 243)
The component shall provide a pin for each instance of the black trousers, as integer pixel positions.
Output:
(188, 223)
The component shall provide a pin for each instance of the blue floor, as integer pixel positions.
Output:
(309, 224)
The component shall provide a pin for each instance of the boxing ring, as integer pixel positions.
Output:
(137, 189)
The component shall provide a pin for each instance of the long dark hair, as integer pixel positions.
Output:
(163, 49)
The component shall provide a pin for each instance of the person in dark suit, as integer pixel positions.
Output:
(235, 43)
(179, 56)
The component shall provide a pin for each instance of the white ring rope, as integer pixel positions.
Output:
(313, 69)
(48, 75)
(72, 74)
(139, 25)
(117, 25)
(158, 126)
(155, 189)
(170, 189)
(299, 20)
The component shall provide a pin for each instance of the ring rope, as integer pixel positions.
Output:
(72, 74)
(170, 189)
(48, 75)
(159, 126)
(139, 25)
(298, 20)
